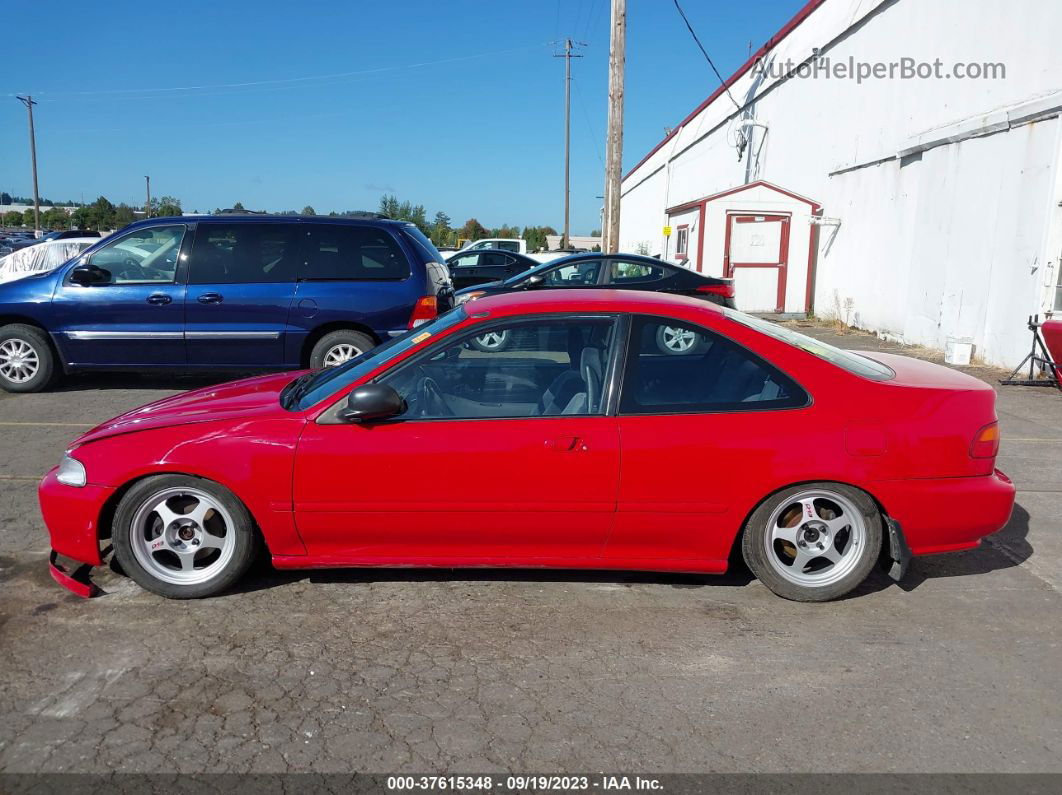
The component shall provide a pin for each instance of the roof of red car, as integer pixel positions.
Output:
(587, 300)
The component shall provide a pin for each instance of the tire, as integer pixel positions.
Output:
(337, 347)
(792, 527)
(677, 341)
(199, 544)
(493, 341)
(27, 363)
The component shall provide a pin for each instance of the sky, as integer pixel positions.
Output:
(454, 104)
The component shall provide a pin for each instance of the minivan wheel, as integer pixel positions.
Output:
(27, 363)
(814, 542)
(338, 347)
(492, 341)
(183, 537)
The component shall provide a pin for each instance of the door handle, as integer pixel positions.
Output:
(568, 444)
(211, 298)
(159, 299)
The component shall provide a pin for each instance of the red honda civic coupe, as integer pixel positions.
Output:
(617, 430)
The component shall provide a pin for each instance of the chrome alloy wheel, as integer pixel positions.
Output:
(677, 340)
(815, 538)
(18, 361)
(492, 340)
(338, 354)
(182, 536)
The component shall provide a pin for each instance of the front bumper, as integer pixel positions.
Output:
(947, 514)
(72, 516)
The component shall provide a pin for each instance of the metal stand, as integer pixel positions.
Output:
(1040, 357)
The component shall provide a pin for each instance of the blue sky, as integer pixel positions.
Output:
(454, 104)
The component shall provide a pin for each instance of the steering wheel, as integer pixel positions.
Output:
(430, 400)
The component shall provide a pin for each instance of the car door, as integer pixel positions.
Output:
(134, 314)
(701, 428)
(241, 281)
(501, 457)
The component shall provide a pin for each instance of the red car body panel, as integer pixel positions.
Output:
(652, 492)
(1052, 331)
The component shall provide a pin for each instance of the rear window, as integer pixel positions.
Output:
(423, 242)
(351, 253)
(846, 360)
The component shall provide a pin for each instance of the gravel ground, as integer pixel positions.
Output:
(957, 669)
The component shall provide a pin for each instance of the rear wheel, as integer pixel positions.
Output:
(814, 542)
(338, 347)
(492, 341)
(27, 363)
(183, 537)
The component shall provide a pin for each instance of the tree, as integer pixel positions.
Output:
(238, 206)
(12, 218)
(5, 198)
(123, 215)
(308, 210)
(102, 213)
(389, 206)
(472, 230)
(166, 206)
(82, 218)
(595, 233)
(536, 236)
(440, 229)
(27, 218)
(55, 218)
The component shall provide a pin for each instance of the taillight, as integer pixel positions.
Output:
(726, 289)
(424, 310)
(985, 443)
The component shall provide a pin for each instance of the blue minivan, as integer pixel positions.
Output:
(225, 292)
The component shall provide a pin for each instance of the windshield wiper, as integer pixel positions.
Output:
(295, 391)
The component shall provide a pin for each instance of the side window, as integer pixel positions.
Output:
(622, 272)
(146, 256)
(522, 369)
(682, 241)
(492, 259)
(508, 245)
(467, 261)
(675, 367)
(243, 254)
(578, 274)
(336, 252)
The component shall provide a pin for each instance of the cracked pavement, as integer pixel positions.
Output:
(495, 671)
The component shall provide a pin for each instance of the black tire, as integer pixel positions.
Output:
(19, 336)
(245, 537)
(357, 340)
(756, 551)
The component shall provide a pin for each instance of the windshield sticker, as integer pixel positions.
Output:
(420, 337)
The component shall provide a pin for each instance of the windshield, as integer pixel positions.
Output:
(847, 360)
(324, 383)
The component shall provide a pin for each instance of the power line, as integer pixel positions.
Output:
(283, 81)
(708, 58)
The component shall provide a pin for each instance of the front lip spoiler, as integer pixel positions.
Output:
(76, 581)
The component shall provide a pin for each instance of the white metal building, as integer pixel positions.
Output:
(907, 197)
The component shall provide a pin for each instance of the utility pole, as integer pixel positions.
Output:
(147, 204)
(567, 55)
(29, 103)
(614, 136)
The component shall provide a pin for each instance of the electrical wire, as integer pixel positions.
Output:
(707, 57)
(291, 81)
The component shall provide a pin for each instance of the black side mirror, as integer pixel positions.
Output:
(88, 275)
(372, 402)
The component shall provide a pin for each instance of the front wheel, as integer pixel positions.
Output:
(26, 360)
(814, 542)
(183, 537)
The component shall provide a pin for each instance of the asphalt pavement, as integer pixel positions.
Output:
(956, 669)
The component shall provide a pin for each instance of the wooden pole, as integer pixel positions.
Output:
(614, 136)
(29, 103)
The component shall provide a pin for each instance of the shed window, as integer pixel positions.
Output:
(682, 240)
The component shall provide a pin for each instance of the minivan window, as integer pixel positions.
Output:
(146, 256)
(351, 253)
(243, 254)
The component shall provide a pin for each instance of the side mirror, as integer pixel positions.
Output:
(88, 275)
(535, 281)
(372, 402)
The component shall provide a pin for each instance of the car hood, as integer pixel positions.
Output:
(244, 399)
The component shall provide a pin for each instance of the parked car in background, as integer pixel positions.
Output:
(42, 258)
(468, 268)
(233, 292)
(813, 463)
(609, 271)
(30, 240)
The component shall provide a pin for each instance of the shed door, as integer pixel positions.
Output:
(757, 248)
